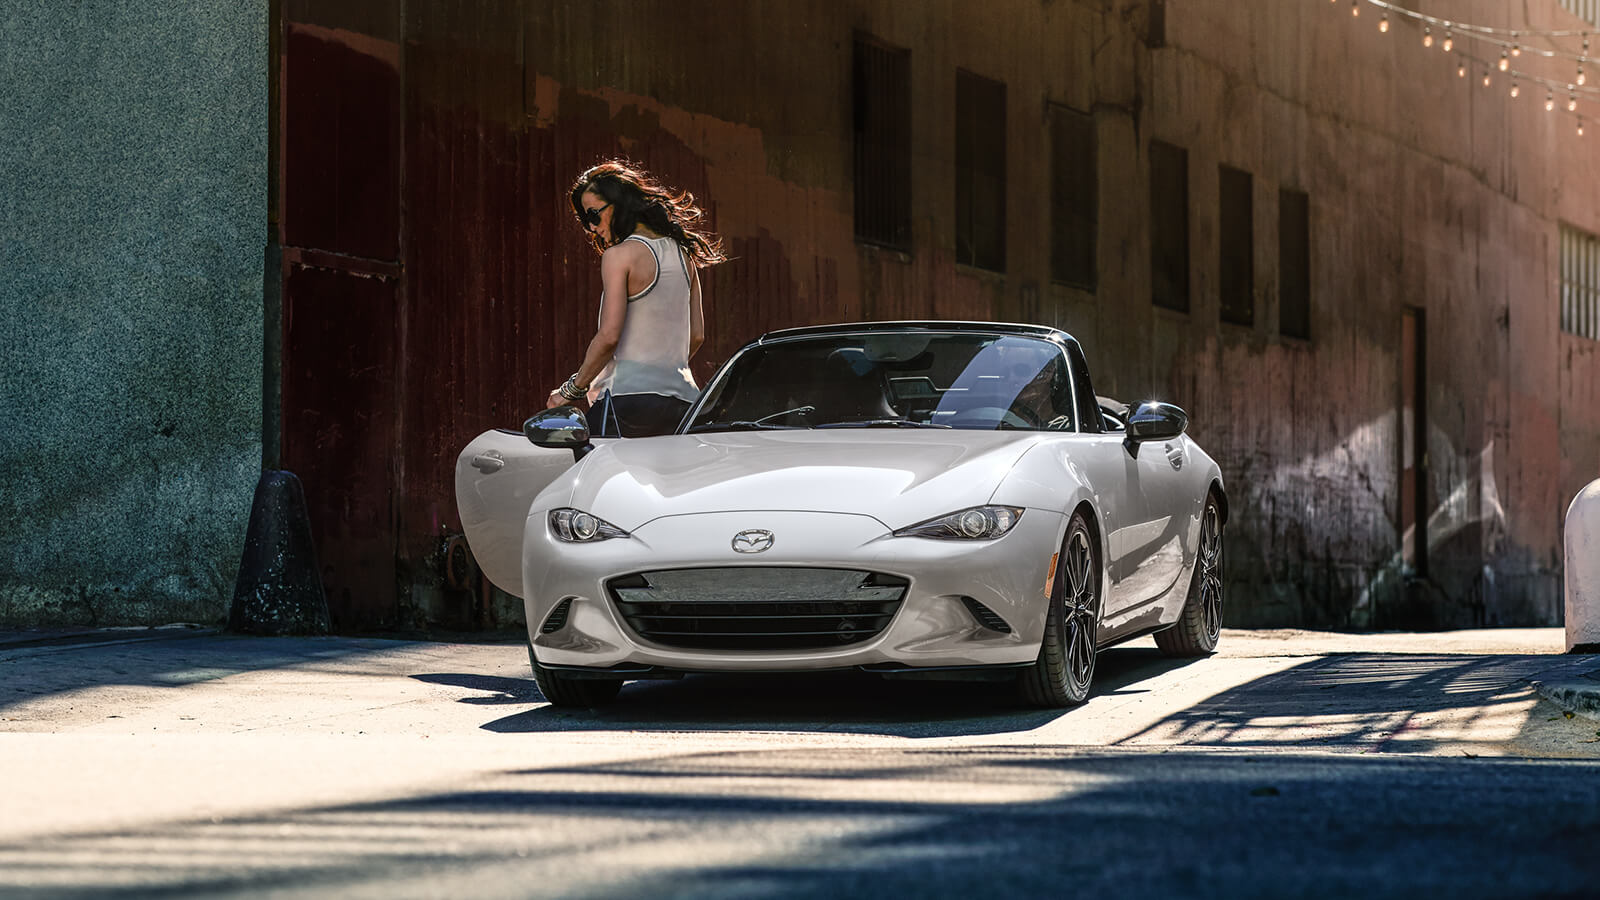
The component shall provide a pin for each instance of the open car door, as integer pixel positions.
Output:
(497, 477)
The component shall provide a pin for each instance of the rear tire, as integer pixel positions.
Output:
(1200, 625)
(1065, 668)
(564, 690)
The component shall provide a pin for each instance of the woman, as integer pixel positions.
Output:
(635, 374)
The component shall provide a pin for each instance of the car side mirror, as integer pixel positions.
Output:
(1153, 420)
(560, 428)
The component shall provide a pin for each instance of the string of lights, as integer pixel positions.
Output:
(1511, 43)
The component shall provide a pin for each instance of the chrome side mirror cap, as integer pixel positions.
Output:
(560, 428)
(1153, 420)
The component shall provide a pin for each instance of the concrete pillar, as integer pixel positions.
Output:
(1582, 567)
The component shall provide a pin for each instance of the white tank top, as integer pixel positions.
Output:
(653, 353)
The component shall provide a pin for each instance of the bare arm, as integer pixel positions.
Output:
(613, 310)
(697, 316)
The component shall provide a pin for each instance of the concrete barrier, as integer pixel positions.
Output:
(1581, 566)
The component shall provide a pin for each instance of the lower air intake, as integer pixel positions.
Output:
(557, 619)
(758, 607)
(986, 617)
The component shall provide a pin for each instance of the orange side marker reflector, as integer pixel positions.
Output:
(1050, 577)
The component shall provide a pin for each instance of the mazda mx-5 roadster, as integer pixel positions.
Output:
(916, 499)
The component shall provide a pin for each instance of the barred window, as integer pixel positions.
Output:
(1294, 263)
(1236, 222)
(1580, 283)
(980, 172)
(1169, 226)
(1074, 198)
(881, 78)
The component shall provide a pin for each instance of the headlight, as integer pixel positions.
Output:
(578, 527)
(980, 523)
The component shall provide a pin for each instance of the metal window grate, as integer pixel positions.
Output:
(1236, 279)
(1074, 198)
(882, 127)
(1169, 226)
(1580, 283)
(1587, 10)
(980, 172)
(1294, 263)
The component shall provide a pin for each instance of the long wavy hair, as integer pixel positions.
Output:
(637, 197)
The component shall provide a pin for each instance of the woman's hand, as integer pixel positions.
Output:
(555, 399)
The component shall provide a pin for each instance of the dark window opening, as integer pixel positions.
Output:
(1294, 263)
(1169, 226)
(1236, 226)
(980, 172)
(1074, 198)
(881, 78)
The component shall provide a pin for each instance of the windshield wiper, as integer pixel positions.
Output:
(883, 423)
(760, 424)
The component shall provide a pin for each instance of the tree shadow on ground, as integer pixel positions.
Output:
(841, 822)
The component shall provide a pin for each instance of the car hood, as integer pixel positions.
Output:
(897, 477)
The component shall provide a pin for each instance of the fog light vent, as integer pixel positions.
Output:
(557, 619)
(986, 617)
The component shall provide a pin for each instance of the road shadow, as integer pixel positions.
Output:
(836, 822)
(848, 701)
(1372, 701)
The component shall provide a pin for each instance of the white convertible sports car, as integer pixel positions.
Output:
(917, 499)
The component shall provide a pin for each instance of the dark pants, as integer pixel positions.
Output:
(638, 415)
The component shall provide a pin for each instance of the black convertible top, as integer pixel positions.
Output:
(915, 325)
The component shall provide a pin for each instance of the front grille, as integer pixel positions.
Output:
(758, 607)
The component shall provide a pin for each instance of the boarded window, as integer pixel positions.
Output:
(881, 76)
(1169, 226)
(1580, 283)
(1236, 274)
(1294, 263)
(980, 172)
(1074, 198)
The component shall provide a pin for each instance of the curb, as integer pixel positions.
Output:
(11, 640)
(1577, 694)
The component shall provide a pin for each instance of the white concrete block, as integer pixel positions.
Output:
(1582, 567)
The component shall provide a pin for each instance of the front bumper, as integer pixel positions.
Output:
(932, 627)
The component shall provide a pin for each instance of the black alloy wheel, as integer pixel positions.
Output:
(1065, 668)
(1199, 627)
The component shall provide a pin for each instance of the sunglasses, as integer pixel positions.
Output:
(591, 217)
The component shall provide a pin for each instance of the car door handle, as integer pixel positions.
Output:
(488, 463)
(1175, 456)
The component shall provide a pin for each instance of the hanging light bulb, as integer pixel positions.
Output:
(1572, 100)
(1355, 7)
(1580, 126)
(1449, 41)
(1580, 73)
(1516, 46)
(1505, 61)
(1485, 77)
(1549, 101)
(1514, 89)
(1427, 37)
(1461, 69)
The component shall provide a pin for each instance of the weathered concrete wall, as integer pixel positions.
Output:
(1426, 190)
(132, 220)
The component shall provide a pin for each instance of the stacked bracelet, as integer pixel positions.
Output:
(570, 390)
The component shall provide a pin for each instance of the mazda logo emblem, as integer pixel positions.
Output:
(754, 540)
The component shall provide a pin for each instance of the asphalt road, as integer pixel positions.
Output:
(1290, 764)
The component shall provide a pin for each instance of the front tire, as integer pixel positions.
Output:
(1200, 625)
(1065, 667)
(564, 690)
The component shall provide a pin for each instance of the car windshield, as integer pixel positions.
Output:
(893, 380)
